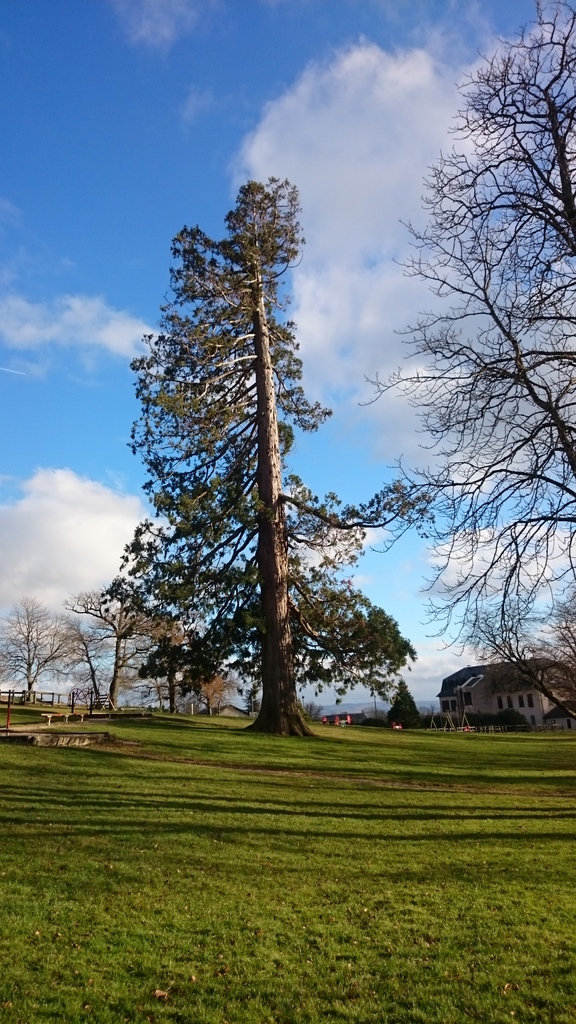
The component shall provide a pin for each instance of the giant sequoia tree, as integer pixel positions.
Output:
(248, 561)
(497, 356)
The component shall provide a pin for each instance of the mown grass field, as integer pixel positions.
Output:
(365, 876)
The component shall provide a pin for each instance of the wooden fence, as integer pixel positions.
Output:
(51, 698)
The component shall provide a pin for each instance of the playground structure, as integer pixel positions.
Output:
(447, 721)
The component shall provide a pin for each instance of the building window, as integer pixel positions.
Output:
(468, 700)
(445, 705)
(499, 702)
(509, 702)
(530, 700)
(520, 701)
(568, 723)
(532, 720)
(453, 705)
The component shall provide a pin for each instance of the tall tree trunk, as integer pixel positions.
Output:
(279, 712)
(30, 676)
(172, 683)
(91, 671)
(114, 690)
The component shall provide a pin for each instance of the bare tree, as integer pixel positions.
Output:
(532, 648)
(88, 660)
(313, 710)
(558, 647)
(33, 643)
(116, 640)
(498, 359)
(214, 692)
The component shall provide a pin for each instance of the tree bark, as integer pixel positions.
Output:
(172, 683)
(279, 712)
(114, 690)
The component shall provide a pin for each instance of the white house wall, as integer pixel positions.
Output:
(478, 697)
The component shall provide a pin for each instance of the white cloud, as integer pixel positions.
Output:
(356, 135)
(79, 320)
(65, 534)
(197, 103)
(8, 211)
(157, 22)
(434, 663)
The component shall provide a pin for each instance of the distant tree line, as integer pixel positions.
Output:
(105, 647)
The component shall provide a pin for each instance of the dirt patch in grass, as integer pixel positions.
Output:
(121, 747)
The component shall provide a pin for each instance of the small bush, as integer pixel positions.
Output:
(403, 710)
(507, 717)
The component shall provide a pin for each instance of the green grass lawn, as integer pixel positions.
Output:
(362, 876)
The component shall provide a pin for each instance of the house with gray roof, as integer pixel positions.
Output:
(488, 689)
(559, 718)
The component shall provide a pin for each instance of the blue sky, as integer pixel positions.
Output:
(123, 120)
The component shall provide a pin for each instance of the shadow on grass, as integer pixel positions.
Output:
(385, 807)
(228, 835)
(30, 805)
(106, 780)
(382, 751)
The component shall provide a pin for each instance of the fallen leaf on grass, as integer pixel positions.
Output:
(160, 994)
